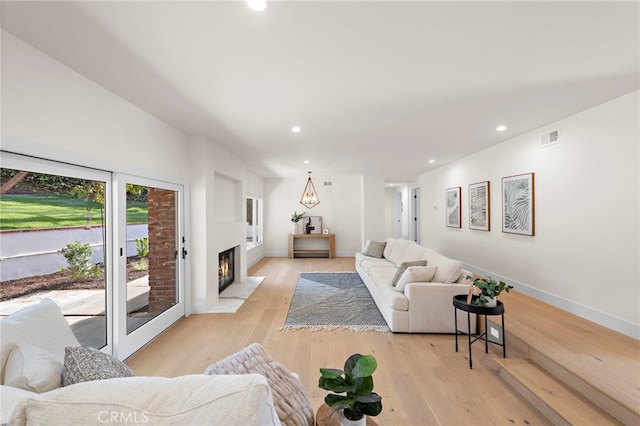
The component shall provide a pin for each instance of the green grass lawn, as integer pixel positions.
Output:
(27, 211)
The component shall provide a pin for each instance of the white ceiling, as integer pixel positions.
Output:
(377, 87)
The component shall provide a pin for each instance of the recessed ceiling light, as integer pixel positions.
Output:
(257, 5)
(295, 129)
(432, 161)
(306, 161)
(501, 128)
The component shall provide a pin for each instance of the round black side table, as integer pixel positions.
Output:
(460, 302)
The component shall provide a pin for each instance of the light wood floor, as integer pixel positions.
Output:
(420, 377)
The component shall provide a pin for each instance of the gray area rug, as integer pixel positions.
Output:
(333, 300)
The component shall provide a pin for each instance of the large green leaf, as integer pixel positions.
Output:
(363, 385)
(336, 385)
(360, 366)
(370, 409)
(331, 373)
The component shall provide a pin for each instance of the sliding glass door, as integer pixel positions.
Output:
(108, 248)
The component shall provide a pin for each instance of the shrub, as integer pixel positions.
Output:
(141, 264)
(142, 246)
(78, 257)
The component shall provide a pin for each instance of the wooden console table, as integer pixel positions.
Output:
(330, 251)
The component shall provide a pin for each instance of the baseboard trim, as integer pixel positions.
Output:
(593, 315)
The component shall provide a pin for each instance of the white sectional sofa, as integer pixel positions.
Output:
(422, 300)
(31, 391)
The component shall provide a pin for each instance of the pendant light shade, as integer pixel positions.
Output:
(309, 195)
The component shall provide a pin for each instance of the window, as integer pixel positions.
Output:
(254, 222)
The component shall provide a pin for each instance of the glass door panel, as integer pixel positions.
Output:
(152, 248)
(151, 263)
(54, 227)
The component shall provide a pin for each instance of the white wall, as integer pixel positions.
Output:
(374, 218)
(48, 110)
(585, 255)
(340, 209)
(217, 215)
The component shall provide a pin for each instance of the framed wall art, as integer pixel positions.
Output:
(454, 209)
(312, 224)
(479, 206)
(518, 208)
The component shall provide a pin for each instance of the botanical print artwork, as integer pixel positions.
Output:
(518, 204)
(479, 217)
(453, 207)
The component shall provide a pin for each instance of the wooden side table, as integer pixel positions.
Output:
(324, 417)
(460, 302)
(330, 249)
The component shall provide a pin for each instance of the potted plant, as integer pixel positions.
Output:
(356, 383)
(295, 218)
(490, 289)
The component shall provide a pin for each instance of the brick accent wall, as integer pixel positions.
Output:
(162, 248)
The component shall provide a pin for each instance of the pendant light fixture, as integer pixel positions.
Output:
(309, 196)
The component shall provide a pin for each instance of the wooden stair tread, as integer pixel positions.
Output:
(603, 358)
(560, 404)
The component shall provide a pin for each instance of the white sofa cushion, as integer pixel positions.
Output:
(33, 369)
(41, 325)
(367, 264)
(448, 270)
(388, 246)
(194, 399)
(415, 274)
(14, 405)
(412, 252)
(399, 247)
(394, 299)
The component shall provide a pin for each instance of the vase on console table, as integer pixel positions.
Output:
(294, 229)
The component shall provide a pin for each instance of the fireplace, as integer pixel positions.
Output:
(226, 269)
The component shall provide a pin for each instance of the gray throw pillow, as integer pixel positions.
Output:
(83, 364)
(403, 267)
(374, 248)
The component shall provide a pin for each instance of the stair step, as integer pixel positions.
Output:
(559, 404)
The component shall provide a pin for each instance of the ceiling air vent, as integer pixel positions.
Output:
(550, 138)
(327, 183)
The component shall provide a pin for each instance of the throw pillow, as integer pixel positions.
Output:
(415, 274)
(83, 364)
(33, 369)
(374, 248)
(289, 395)
(403, 267)
(449, 270)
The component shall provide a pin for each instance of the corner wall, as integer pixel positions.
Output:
(218, 209)
(340, 209)
(585, 255)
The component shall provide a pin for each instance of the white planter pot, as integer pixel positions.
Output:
(492, 302)
(294, 228)
(346, 422)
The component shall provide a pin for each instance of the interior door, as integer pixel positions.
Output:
(150, 253)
